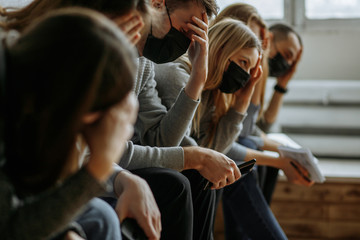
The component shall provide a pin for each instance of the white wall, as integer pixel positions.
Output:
(330, 55)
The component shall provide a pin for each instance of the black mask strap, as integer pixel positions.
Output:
(167, 11)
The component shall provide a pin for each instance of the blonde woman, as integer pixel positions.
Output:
(288, 43)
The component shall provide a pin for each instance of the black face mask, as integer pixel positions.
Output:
(167, 49)
(234, 78)
(278, 66)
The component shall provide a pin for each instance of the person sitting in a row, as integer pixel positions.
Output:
(67, 83)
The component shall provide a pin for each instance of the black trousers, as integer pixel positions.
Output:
(267, 176)
(172, 193)
(187, 210)
(204, 206)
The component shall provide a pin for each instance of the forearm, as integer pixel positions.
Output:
(228, 129)
(237, 153)
(195, 85)
(262, 158)
(137, 156)
(271, 113)
(157, 127)
(270, 145)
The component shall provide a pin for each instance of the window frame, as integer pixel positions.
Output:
(294, 14)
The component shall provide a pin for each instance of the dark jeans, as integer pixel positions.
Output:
(99, 221)
(246, 213)
(267, 176)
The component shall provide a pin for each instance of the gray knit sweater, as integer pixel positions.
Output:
(171, 79)
(157, 125)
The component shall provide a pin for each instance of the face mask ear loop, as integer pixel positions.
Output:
(151, 28)
(167, 11)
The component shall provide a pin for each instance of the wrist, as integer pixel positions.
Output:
(195, 85)
(192, 158)
(280, 89)
(121, 181)
(99, 169)
(241, 107)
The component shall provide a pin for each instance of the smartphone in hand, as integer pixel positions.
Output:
(244, 168)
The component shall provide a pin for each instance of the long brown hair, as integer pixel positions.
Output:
(21, 18)
(248, 14)
(63, 66)
(225, 38)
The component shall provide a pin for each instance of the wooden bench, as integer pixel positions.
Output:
(325, 211)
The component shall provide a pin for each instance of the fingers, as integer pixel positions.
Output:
(303, 177)
(199, 27)
(200, 24)
(237, 173)
(232, 174)
(199, 40)
(205, 18)
(134, 33)
(255, 70)
(201, 32)
(129, 22)
(149, 228)
(219, 184)
(131, 26)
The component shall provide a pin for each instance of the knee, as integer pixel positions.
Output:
(176, 183)
(100, 220)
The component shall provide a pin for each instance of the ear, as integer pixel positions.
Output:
(265, 38)
(158, 4)
(271, 36)
(91, 117)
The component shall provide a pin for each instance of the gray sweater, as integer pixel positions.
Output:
(251, 130)
(42, 215)
(171, 79)
(157, 125)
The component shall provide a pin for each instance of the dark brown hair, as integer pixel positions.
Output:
(210, 6)
(65, 65)
(21, 18)
(281, 32)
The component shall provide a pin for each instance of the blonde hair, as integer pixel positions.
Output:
(242, 12)
(248, 14)
(225, 38)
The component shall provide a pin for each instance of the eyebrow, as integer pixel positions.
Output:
(248, 59)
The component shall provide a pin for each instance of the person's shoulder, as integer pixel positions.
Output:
(145, 65)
